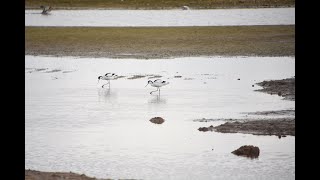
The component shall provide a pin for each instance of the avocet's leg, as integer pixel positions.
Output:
(159, 91)
(154, 91)
(106, 84)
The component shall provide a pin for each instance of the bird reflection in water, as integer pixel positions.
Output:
(157, 99)
(105, 94)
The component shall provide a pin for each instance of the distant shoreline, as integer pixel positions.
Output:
(156, 4)
(171, 8)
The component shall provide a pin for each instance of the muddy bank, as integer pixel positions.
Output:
(161, 42)
(156, 4)
(279, 127)
(38, 175)
(284, 88)
(288, 113)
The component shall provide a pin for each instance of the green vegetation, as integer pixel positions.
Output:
(157, 4)
(161, 42)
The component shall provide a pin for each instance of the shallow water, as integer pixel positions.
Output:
(72, 124)
(216, 17)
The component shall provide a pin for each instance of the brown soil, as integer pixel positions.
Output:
(157, 120)
(248, 151)
(284, 88)
(157, 4)
(161, 42)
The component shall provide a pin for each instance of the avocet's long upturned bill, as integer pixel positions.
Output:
(157, 83)
(45, 9)
(108, 77)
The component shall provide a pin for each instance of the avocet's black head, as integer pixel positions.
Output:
(100, 77)
(149, 82)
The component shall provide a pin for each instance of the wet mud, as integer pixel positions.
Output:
(278, 126)
(284, 88)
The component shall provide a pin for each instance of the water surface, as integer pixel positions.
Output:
(72, 124)
(122, 18)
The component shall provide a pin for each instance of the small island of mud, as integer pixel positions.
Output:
(279, 127)
(284, 88)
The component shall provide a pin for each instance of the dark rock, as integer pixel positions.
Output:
(252, 85)
(279, 136)
(157, 120)
(204, 129)
(248, 151)
(238, 78)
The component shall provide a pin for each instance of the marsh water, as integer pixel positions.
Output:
(72, 124)
(136, 18)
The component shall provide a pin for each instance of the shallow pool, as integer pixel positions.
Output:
(72, 124)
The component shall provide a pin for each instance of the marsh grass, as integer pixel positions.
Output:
(157, 4)
(161, 42)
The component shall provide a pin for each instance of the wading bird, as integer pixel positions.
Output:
(108, 77)
(45, 9)
(185, 8)
(157, 83)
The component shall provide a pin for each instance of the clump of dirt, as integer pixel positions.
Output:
(177, 76)
(157, 120)
(247, 151)
(284, 88)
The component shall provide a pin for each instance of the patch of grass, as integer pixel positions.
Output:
(157, 4)
(161, 42)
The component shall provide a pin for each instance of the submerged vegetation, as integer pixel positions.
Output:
(158, 4)
(161, 42)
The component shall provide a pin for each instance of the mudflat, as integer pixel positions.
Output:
(38, 175)
(284, 88)
(156, 4)
(161, 42)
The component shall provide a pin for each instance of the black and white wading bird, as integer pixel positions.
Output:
(108, 77)
(45, 9)
(157, 83)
